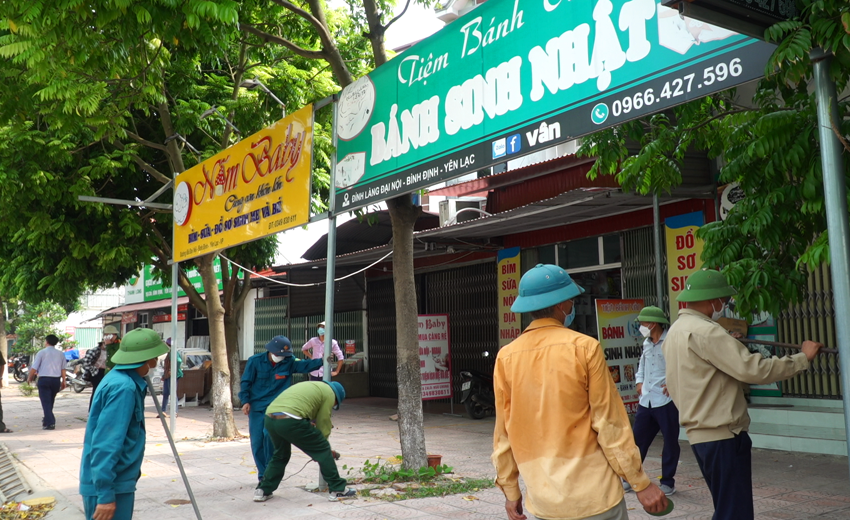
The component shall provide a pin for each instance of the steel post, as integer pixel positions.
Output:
(835, 197)
(659, 272)
(330, 271)
(175, 271)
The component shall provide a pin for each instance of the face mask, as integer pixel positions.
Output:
(716, 315)
(277, 359)
(321, 332)
(645, 331)
(568, 318)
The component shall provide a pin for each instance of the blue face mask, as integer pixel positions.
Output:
(568, 319)
(321, 332)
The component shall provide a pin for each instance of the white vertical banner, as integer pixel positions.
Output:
(434, 358)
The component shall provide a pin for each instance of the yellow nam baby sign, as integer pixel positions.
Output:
(255, 188)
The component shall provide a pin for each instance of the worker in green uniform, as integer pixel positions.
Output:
(301, 416)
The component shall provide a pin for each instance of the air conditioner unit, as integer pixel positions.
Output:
(452, 211)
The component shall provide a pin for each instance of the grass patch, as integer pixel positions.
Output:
(436, 488)
(28, 390)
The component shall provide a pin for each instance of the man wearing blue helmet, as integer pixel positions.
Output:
(266, 375)
(569, 434)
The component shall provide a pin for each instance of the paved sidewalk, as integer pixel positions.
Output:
(223, 476)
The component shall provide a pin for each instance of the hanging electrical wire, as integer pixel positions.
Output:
(376, 262)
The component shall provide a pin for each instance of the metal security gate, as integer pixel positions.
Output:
(813, 318)
(467, 294)
(638, 267)
(271, 318)
(380, 302)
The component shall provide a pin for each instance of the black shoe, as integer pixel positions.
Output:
(51, 427)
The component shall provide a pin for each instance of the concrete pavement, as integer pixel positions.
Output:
(787, 485)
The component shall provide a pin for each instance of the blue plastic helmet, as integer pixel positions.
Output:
(543, 286)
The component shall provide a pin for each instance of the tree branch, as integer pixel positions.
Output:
(397, 17)
(149, 144)
(271, 38)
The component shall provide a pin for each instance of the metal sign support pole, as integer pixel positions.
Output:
(659, 272)
(835, 197)
(330, 273)
(175, 271)
(173, 446)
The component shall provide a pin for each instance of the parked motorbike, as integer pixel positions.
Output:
(75, 380)
(477, 393)
(19, 366)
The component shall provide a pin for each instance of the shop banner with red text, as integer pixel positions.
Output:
(622, 343)
(684, 254)
(508, 278)
(255, 188)
(434, 358)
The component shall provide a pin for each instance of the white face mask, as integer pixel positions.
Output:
(716, 315)
(646, 331)
(277, 359)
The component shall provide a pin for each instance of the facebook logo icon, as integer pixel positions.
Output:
(514, 143)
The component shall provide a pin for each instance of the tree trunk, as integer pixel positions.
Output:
(234, 357)
(4, 345)
(224, 426)
(410, 421)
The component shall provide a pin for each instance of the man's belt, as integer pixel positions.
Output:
(284, 415)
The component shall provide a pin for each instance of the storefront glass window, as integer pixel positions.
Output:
(611, 249)
(601, 284)
(545, 255)
(579, 253)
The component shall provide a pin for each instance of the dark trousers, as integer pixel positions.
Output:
(727, 468)
(648, 422)
(48, 387)
(166, 393)
(2, 424)
(95, 380)
(316, 378)
(288, 432)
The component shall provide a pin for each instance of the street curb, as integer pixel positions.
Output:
(63, 509)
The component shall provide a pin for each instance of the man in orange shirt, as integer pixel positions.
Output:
(560, 421)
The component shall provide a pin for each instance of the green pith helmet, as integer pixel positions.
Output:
(653, 314)
(705, 285)
(139, 345)
(544, 286)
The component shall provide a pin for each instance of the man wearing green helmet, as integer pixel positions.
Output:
(560, 421)
(705, 369)
(114, 444)
(656, 411)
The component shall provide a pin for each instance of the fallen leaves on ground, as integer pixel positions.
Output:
(13, 511)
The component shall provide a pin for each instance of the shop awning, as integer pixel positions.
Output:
(142, 306)
(567, 208)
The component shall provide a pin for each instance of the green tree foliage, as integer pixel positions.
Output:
(768, 144)
(36, 322)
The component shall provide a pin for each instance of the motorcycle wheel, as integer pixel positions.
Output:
(20, 377)
(475, 410)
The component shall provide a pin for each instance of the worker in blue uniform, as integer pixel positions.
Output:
(114, 444)
(266, 375)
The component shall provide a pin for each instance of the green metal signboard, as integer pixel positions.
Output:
(155, 290)
(516, 76)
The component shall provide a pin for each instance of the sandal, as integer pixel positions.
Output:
(7, 430)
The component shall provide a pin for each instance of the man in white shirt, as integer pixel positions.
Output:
(656, 411)
(49, 367)
(315, 349)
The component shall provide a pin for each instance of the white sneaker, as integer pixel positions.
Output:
(334, 496)
(260, 496)
(667, 490)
